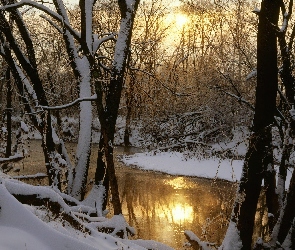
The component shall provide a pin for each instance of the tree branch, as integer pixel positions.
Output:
(239, 98)
(13, 158)
(85, 99)
(46, 10)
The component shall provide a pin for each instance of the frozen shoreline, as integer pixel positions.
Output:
(175, 163)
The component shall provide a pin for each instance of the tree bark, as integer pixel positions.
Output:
(108, 103)
(27, 61)
(129, 104)
(288, 213)
(101, 173)
(260, 142)
(8, 113)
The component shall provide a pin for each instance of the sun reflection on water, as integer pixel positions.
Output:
(181, 213)
(178, 211)
(179, 183)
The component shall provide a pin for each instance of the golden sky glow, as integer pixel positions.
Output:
(180, 20)
(176, 21)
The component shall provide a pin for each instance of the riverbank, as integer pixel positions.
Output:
(176, 163)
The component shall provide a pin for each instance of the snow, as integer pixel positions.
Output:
(232, 238)
(251, 74)
(24, 227)
(20, 229)
(24, 127)
(84, 140)
(176, 163)
(88, 17)
(91, 98)
(203, 245)
(95, 198)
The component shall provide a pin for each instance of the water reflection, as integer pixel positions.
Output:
(161, 206)
(179, 183)
(181, 213)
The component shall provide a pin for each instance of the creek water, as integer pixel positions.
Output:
(160, 206)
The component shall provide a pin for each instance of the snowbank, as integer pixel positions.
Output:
(20, 228)
(176, 163)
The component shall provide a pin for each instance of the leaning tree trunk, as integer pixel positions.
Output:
(80, 64)
(243, 217)
(29, 65)
(108, 114)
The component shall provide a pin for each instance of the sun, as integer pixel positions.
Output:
(176, 21)
(180, 20)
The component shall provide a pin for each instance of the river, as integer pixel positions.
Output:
(160, 206)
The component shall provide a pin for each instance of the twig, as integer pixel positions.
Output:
(239, 98)
(159, 81)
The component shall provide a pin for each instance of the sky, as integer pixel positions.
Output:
(175, 2)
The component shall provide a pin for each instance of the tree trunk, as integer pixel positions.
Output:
(8, 113)
(129, 105)
(113, 181)
(287, 214)
(28, 63)
(108, 109)
(127, 127)
(101, 173)
(84, 141)
(270, 183)
(260, 142)
(250, 186)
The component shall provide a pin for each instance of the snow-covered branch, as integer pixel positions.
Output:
(252, 74)
(285, 22)
(46, 10)
(53, 24)
(98, 42)
(13, 158)
(197, 243)
(84, 99)
(256, 11)
(239, 98)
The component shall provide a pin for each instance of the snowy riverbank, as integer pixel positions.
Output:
(176, 163)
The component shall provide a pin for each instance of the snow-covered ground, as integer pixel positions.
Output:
(24, 227)
(176, 163)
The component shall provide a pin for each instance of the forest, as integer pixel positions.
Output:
(83, 79)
